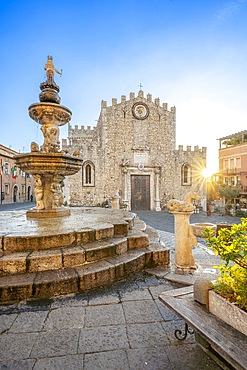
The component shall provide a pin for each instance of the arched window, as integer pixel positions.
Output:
(88, 174)
(186, 174)
(88, 171)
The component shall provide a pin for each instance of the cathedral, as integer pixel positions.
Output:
(130, 158)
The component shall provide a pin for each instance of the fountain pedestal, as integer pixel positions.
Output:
(184, 236)
(185, 240)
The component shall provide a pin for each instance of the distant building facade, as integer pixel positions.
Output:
(130, 157)
(16, 185)
(233, 164)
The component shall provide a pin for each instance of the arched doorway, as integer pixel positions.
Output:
(15, 193)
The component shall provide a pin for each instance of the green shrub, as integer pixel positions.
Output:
(231, 245)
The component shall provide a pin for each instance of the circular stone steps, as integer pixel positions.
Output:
(102, 247)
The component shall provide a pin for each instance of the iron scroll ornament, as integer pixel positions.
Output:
(140, 110)
(183, 335)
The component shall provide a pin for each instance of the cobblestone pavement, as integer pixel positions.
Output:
(123, 326)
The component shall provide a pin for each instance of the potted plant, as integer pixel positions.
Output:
(231, 245)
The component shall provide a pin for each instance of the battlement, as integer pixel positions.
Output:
(140, 95)
(188, 149)
(82, 131)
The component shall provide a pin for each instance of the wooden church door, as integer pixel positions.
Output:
(140, 192)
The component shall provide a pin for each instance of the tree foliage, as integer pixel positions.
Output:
(228, 192)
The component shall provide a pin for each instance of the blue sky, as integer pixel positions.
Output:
(192, 54)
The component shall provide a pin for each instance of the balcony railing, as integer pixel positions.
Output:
(231, 171)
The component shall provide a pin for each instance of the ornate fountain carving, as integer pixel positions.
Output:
(47, 163)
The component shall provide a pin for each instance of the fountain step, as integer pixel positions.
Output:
(89, 249)
(46, 284)
(28, 241)
(58, 258)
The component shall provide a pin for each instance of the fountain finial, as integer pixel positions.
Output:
(49, 88)
(50, 67)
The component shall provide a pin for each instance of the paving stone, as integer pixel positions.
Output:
(65, 318)
(72, 362)
(105, 297)
(29, 322)
(42, 304)
(110, 360)
(56, 343)
(136, 294)
(16, 346)
(171, 326)
(190, 357)
(103, 338)
(166, 312)
(148, 359)
(155, 291)
(6, 321)
(104, 315)
(71, 300)
(17, 365)
(141, 311)
(146, 335)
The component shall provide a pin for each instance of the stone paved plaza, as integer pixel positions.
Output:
(123, 326)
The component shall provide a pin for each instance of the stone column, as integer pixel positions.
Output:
(115, 201)
(184, 241)
(125, 200)
(157, 189)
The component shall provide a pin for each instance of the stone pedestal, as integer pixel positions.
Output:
(184, 241)
(115, 201)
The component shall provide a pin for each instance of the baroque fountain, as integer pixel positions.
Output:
(53, 250)
(47, 164)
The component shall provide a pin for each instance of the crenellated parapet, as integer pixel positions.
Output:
(133, 97)
(196, 150)
(80, 132)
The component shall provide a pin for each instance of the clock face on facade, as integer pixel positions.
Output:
(140, 110)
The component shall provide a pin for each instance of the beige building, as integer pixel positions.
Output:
(130, 157)
(233, 164)
(15, 185)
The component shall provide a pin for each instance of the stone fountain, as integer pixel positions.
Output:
(43, 257)
(48, 164)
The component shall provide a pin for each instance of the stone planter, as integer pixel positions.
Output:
(228, 312)
(198, 228)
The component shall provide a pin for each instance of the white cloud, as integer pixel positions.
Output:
(229, 10)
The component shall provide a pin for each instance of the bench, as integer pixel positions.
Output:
(226, 345)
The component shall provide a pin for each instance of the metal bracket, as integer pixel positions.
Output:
(182, 336)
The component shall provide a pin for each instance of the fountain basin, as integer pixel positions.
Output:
(47, 112)
(48, 163)
(51, 169)
(198, 228)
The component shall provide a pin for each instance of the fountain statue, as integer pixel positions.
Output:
(48, 164)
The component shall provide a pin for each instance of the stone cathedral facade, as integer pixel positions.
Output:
(130, 157)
